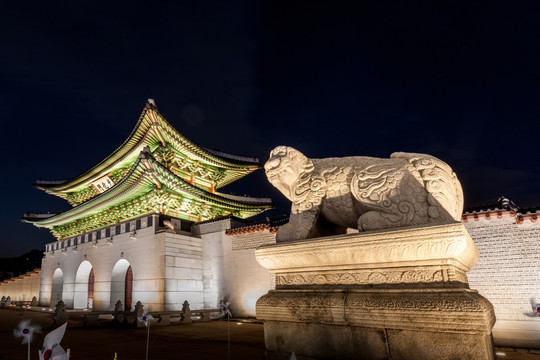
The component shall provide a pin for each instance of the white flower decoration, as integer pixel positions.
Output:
(225, 308)
(145, 317)
(26, 331)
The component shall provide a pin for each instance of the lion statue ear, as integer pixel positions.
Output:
(279, 151)
(292, 156)
(304, 164)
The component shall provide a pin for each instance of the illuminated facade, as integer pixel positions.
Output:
(148, 224)
(130, 236)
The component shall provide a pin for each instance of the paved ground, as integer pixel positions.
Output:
(202, 341)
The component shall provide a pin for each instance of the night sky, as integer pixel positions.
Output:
(453, 79)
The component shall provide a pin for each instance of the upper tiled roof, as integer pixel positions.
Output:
(153, 130)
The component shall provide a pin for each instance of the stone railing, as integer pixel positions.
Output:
(130, 318)
(6, 302)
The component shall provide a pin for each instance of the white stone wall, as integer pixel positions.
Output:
(183, 271)
(508, 272)
(213, 271)
(230, 269)
(22, 288)
(252, 240)
(168, 268)
(508, 275)
(145, 254)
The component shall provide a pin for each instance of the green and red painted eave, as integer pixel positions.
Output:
(149, 187)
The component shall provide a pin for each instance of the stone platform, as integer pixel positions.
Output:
(394, 294)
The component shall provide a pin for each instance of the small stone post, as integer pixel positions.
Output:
(137, 313)
(118, 307)
(59, 316)
(186, 316)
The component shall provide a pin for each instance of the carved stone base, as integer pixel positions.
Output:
(400, 294)
(376, 344)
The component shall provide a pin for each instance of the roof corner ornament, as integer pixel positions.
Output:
(145, 153)
(168, 224)
(506, 203)
(152, 102)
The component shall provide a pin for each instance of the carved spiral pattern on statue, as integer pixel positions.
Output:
(440, 182)
(405, 190)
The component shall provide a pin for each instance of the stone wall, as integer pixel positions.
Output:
(230, 269)
(183, 271)
(22, 288)
(508, 275)
(66, 266)
(252, 240)
(168, 265)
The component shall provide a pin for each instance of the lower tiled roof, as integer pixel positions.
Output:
(498, 208)
(272, 225)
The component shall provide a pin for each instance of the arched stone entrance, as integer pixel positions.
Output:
(121, 284)
(57, 286)
(84, 286)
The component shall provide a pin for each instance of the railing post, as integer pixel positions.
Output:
(186, 313)
(137, 313)
(59, 316)
(118, 308)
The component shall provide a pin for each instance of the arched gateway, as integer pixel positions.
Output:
(122, 284)
(57, 287)
(84, 286)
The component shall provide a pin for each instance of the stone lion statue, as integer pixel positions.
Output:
(365, 193)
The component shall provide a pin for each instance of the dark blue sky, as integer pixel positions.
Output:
(453, 79)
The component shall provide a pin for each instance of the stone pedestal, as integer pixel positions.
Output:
(394, 294)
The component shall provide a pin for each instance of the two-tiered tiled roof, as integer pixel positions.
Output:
(155, 170)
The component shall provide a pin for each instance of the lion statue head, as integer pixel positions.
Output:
(284, 167)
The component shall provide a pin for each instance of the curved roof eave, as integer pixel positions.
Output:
(135, 180)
